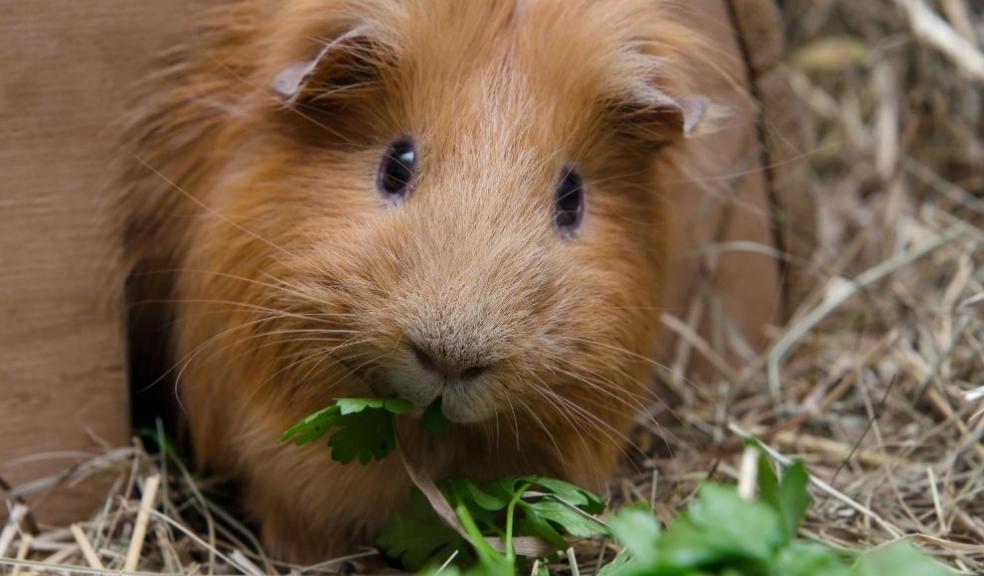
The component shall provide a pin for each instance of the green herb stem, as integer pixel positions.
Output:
(510, 513)
(485, 551)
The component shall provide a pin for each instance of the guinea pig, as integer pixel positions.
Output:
(412, 198)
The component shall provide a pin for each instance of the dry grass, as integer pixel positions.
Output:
(878, 382)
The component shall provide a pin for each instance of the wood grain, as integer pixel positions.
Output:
(721, 201)
(64, 71)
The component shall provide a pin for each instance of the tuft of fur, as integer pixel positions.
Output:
(291, 281)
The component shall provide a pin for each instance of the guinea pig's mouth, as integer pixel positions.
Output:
(462, 404)
(380, 386)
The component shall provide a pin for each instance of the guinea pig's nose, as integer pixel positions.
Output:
(447, 369)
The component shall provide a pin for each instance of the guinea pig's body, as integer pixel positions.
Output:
(422, 198)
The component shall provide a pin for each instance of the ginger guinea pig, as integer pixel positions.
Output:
(417, 198)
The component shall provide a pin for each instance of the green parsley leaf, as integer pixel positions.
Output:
(545, 508)
(574, 495)
(549, 508)
(356, 405)
(899, 559)
(768, 483)
(795, 497)
(637, 530)
(365, 428)
(789, 497)
(623, 565)
(491, 498)
(366, 435)
(434, 421)
(808, 559)
(312, 427)
(421, 537)
(721, 528)
(564, 517)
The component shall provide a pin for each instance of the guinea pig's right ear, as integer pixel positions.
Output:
(341, 69)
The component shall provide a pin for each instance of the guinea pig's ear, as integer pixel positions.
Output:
(656, 118)
(340, 69)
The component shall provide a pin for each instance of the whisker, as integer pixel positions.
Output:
(320, 356)
(635, 405)
(560, 409)
(208, 208)
(232, 304)
(512, 409)
(526, 407)
(617, 438)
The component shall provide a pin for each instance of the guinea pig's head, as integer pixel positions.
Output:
(463, 199)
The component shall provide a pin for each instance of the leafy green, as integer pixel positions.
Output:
(809, 559)
(637, 530)
(365, 428)
(720, 529)
(433, 419)
(163, 443)
(624, 563)
(312, 427)
(490, 561)
(491, 501)
(720, 533)
(570, 493)
(391, 405)
(899, 559)
(790, 497)
(366, 435)
(505, 508)
(564, 516)
(420, 537)
(724, 534)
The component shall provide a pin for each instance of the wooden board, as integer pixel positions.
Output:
(739, 201)
(63, 68)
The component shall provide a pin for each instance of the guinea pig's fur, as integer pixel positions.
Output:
(252, 207)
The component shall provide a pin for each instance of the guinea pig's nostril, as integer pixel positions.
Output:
(423, 357)
(473, 372)
(449, 371)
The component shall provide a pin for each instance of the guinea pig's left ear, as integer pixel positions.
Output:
(339, 69)
(658, 118)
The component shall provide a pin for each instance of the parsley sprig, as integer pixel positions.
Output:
(500, 512)
(723, 533)
(720, 533)
(364, 428)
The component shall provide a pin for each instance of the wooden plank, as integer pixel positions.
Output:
(64, 70)
(787, 140)
(719, 202)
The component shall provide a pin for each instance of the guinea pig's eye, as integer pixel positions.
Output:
(569, 202)
(397, 169)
